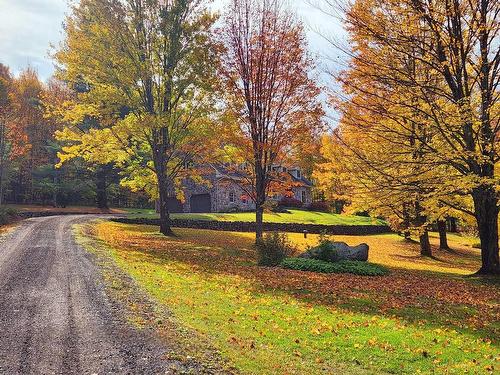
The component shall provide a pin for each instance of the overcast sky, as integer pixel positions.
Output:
(29, 27)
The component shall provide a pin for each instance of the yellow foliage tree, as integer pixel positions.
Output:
(422, 111)
(144, 71)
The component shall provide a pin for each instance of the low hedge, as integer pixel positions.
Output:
(245, 226)
(343, 266)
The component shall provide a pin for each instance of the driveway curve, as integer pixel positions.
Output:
(55, 317)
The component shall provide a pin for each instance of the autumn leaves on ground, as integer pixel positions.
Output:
(425, 316)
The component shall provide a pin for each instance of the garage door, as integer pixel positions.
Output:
(200, 203)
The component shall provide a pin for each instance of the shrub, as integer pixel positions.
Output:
(7, 214)
(343, 266)
(232, 209)
(290, 202)
(273, 206)
(273, 248)
(321, 206)
(325, 249)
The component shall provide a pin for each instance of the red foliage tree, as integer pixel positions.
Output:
(270, 95)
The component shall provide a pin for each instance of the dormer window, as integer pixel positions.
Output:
(297, 173)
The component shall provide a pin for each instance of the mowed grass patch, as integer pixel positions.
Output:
(271, 320)
(292, 216)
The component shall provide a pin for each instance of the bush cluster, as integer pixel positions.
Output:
(273, 248)
(325, 250)
(7, 214)
(273, 206)
(320, 206)
(290, 202)
(343, 266)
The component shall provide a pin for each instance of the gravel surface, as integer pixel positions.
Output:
(55, 317)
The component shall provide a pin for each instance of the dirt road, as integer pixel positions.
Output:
(55, 317)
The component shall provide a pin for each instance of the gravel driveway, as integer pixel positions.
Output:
(55, 317)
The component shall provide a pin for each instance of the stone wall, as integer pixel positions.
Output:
(227, 190)
(240, 226)
(220, 192)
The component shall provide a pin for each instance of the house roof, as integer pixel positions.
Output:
(234, 174)
(301, 180)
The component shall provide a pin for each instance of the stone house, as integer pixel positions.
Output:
(222, 190)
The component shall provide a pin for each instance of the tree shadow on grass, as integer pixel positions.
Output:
(414, 296)
(423, 311)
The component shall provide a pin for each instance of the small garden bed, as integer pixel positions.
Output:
(343, 266)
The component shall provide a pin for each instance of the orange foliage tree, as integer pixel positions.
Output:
(5, 113)
(270, 95)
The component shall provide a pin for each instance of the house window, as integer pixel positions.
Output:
(298, 173)
(303, 196)
(231, 197)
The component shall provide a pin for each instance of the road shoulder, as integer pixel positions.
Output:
(187, 351)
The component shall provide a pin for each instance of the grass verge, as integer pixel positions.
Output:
(192, 353)
(271, 320)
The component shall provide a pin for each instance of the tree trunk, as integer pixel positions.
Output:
(485, 196)
(260, 195)
(452, 225)
(259, 223)
(406, 223)
(443, 240)
(486, 210)
(101, 188)
(421, 221)
(165, 224)
(425, 245)
(54, 190)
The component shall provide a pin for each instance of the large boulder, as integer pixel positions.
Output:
(334, 251)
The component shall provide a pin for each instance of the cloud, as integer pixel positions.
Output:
(27, 29)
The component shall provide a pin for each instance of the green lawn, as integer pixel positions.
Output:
(421, 318)
(293, 216)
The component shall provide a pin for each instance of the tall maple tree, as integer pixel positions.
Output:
(422, 87)
(149, 67)
(269, 93)
(5, 116)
